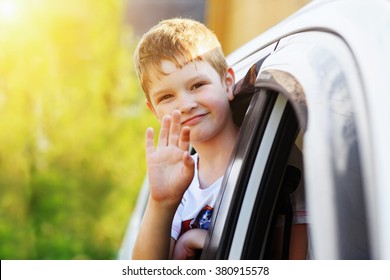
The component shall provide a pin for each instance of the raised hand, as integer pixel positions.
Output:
(170, 166)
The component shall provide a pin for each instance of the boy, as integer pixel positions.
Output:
(188, 86)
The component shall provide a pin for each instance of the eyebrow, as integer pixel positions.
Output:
(195, 78)
(199, 77)
(155, 95)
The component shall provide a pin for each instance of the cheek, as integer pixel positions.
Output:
(218, 102)
(212, 96)
(164, 110)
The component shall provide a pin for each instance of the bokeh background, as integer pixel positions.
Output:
(73, 117)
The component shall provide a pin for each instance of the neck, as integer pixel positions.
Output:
(214, 156)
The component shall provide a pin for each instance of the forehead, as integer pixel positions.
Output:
(168, 67)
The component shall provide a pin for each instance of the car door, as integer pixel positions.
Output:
(329, 74)
(310, 83)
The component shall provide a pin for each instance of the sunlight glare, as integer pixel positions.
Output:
(10, 11)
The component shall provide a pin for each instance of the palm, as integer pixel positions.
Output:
(170, 167)
(168, 175)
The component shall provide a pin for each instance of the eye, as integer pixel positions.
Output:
(164, 97)
(197, 85)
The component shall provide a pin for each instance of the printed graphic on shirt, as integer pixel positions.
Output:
(201, 221)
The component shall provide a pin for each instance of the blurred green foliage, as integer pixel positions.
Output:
(72, 122)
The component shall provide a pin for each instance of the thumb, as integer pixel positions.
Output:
(187, 160)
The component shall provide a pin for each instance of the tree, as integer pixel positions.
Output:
(72, 122)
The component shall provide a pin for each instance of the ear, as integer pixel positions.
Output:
(230, 81)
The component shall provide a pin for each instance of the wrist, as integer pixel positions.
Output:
(163, 207)
(165, 200)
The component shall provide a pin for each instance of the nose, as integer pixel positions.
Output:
(187, 102)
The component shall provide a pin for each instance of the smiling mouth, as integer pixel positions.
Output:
(194, 120)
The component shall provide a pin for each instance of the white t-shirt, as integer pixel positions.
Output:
(197, 204)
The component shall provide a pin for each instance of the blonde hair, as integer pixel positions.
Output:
(180, 41)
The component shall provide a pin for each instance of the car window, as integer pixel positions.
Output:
(238, 173)
(257, 216)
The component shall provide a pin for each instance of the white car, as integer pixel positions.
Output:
(322, 74)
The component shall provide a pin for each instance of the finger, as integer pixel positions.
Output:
(174, 131)
(187, 160)
(184, 141)
(164, 131)
(149, 139)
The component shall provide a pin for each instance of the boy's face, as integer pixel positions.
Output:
(196, 90)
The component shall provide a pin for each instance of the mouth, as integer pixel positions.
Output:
(193, 120)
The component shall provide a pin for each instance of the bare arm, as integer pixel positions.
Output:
(170, 171)
(154, 237)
